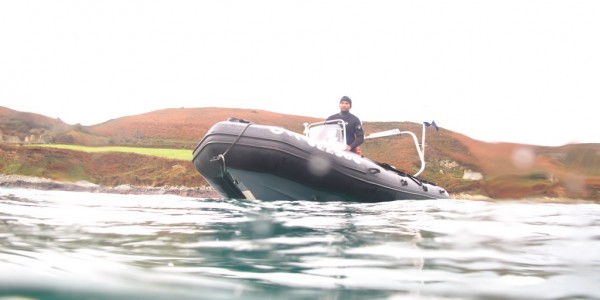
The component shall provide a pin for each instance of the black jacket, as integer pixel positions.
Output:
(354, 131)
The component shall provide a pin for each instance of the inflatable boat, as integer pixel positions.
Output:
(242, 160)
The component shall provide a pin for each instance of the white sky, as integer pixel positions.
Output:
(512, 70)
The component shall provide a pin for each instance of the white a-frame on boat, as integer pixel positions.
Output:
(243, 160)
(420, 148)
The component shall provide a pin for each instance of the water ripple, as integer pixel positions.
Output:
(73, 245)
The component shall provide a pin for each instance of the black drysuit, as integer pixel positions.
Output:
(354, 131)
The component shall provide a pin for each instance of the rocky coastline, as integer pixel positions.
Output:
(39, 183)
(30, 182)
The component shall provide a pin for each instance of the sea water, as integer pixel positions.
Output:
(77, 245)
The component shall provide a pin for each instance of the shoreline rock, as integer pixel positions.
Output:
(39, 183)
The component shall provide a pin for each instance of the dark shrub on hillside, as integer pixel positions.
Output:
(64, 139)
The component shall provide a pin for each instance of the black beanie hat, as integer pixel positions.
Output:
(346, 98)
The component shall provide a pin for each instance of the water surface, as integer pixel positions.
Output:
(76, 245)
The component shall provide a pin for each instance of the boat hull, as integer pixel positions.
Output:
(244, 160)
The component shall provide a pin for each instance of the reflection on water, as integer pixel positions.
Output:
(72, 245)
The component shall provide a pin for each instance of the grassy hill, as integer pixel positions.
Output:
(22, 125)
(182, 127)
(508, 170)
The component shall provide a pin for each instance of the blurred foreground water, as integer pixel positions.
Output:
(77, 245)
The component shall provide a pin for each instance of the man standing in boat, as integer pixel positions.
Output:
(354, 130)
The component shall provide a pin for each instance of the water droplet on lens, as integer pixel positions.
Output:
(523, 158)
(318, 165)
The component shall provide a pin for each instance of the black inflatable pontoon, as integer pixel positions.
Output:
(243, 160)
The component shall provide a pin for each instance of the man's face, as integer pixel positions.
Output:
(345, 105)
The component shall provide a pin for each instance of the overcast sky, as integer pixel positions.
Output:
(511, 71)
